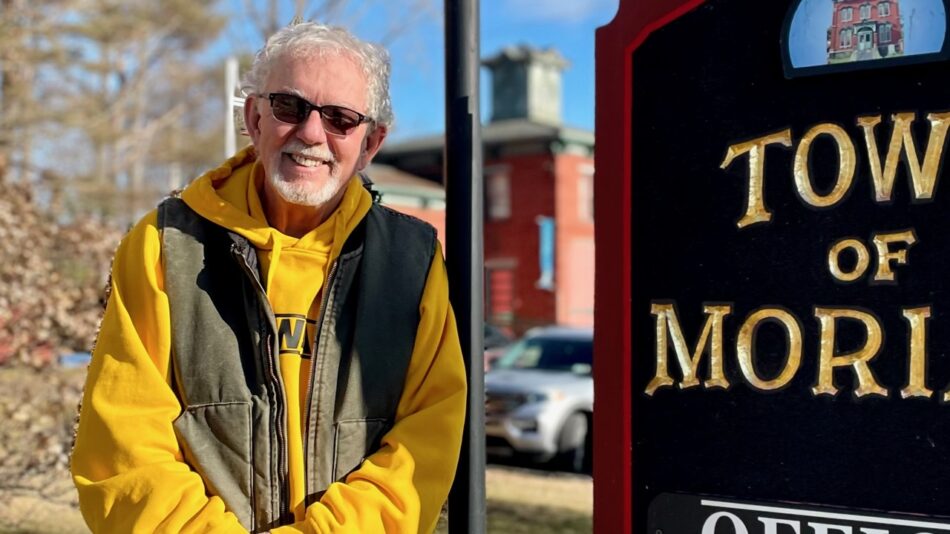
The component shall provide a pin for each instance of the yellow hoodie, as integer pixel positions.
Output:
(127, 464)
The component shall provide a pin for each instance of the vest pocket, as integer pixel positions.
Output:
(216, 441)
(355, 440)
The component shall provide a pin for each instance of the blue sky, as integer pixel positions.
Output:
(924, 25)
(417, 52)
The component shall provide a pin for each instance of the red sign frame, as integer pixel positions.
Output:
(615, 43)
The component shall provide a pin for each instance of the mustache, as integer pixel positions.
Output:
(295, 146)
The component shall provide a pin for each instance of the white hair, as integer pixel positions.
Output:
(309, 39)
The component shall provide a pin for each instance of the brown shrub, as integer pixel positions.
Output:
(52, 278)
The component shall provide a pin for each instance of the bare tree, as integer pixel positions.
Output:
(131, 54)
(99, 101)
(274, 14)
(29, 44)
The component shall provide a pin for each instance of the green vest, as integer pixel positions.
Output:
(233, 424)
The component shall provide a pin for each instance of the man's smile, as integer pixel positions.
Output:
(307, 161)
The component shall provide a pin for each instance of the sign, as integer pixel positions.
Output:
(682, 514)
(773, 297)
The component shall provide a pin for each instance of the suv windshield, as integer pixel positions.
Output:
(549, 354)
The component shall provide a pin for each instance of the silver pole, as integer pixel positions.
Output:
(230, 84)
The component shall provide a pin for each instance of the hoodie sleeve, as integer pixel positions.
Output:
(126, 464)
(401, 487)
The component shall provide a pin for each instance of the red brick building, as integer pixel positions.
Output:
(865, 29)
(539, 197)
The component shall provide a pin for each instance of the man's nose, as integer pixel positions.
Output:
(311, 131)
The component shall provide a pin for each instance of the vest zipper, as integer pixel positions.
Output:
(324, 298)
(284, 499)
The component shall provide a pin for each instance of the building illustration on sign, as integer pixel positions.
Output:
(824, 36)
(863, 30)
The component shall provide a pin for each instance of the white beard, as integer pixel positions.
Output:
(302, 192)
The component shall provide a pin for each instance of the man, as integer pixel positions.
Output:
(278, 352)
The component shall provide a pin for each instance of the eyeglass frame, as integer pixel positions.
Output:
(311, 107)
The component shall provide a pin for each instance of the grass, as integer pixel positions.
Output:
(524, 501)
(505, 517)
(511, 518)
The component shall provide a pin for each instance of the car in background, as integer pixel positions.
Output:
(539, 398)
(496, 343)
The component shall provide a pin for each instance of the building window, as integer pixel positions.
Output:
(865, 11)
(498, 189)
(885, 33)
(845, 41)
(546, 244)
(846, 14)
(500, 294)
(884, 10)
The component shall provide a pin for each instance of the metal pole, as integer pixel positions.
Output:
(230, 82)
(465, 257)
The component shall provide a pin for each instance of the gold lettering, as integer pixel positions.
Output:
(917, 353)
(745, 347)
(711, 337)
(828, 360)
(846, 166)
(923, 178)
(860, 267)
(885, 255)
(756, 212)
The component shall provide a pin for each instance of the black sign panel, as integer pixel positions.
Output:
(790, 238)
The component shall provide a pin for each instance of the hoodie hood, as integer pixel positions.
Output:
(229, 197)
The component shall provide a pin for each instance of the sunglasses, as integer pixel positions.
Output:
(292, 109)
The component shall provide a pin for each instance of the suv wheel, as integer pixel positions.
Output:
(573, 450)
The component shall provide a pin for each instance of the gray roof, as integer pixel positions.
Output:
(391, 176)
(389, 179)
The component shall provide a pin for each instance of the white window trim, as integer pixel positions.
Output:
(585, 198)
(846, 32)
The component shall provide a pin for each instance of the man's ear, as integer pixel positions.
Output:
(371, 145)
(252, 118)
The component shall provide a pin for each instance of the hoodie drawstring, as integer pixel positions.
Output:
(274, 259)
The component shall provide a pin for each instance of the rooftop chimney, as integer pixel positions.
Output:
(526, 84)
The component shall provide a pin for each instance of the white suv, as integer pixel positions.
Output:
(539, 398)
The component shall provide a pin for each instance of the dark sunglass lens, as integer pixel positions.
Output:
(288, 108)
(340, 120)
